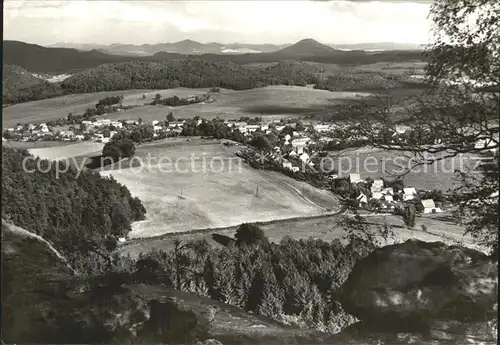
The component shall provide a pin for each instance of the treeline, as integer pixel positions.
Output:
(79, 212)
(176, 101)
(294, 282)
(215, 128)
(108, 101)
(358, 82)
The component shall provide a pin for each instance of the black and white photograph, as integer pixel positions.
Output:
(286, 172)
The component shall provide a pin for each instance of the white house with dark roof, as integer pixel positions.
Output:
(409, 193)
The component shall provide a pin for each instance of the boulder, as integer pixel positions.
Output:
(420, 287)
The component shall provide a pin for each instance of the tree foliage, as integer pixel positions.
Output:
(79, 212)
(451, 119)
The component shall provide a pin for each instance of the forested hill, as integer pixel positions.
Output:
(78, 214)
(193, 73)
(38, 59)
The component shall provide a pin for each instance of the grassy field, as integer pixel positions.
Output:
(179, 195)
(377, 163)
(277, 101)
(35, 144)
(326, 228)
(85, 148)
(56, 108)
(272, 102)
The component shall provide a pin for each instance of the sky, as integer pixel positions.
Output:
(276, 22)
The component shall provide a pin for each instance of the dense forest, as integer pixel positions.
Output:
(194, 73)
(78, 212)
(294, 282)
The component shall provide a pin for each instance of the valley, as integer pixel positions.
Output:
(174, 190)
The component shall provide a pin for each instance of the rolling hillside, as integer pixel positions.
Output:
(15, 77)
(38, 59)
(19, 85)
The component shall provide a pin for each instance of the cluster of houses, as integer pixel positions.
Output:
(101, 130)
(385, 196)
(247, 129)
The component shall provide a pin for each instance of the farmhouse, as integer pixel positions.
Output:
(252, 128)
(362, 199)
(174, 124)
(429, 206)
(300, 141)
(44, 128)
(86, 122)
(377, 186)
(377, 195)
(237, 124)
(157, 128)
(116, 124)
(67, 134)
(304, 157)
(355, 178)
(388, 198)
(321, 128)
(280, 128)
(409, 193)
(287, 165)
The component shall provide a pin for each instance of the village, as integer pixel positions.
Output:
(291, 146)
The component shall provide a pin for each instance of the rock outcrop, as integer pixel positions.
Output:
(44, 301)
(429, 291)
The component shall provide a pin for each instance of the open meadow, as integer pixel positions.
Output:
(376, 163)
(326, 228)
(272, 102)
(55, 108)
(202, 184)
(61, 152)
(276, 101)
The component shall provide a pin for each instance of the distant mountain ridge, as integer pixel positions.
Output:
(38, 59)
(193, 47)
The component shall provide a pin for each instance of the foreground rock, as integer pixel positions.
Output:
(43, 301)
(429, 291)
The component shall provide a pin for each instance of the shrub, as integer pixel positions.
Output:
(250, 234)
